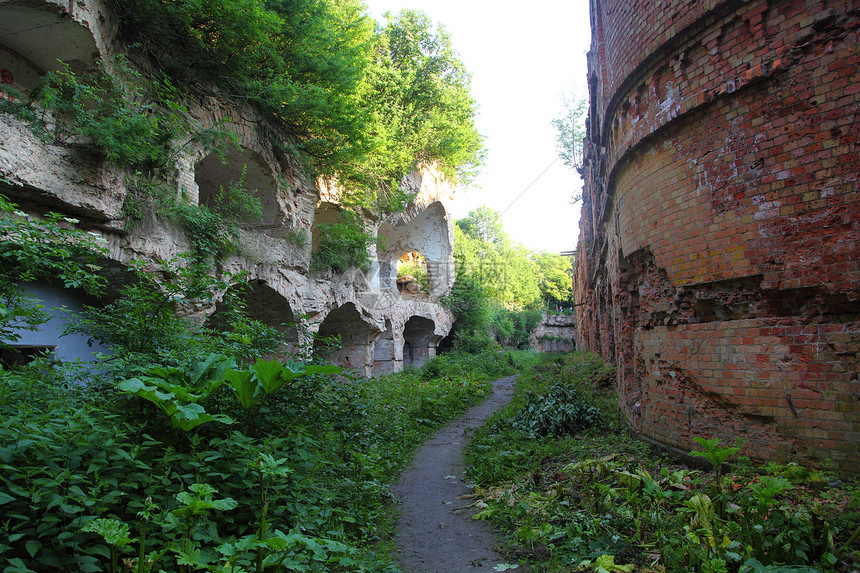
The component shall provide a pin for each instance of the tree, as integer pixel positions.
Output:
(483, 250)
(556, 284)
(419, 95)
(570, 134)
(485, 225)
(364, 104)
(570, 131)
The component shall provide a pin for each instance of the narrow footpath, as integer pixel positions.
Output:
(435, 533)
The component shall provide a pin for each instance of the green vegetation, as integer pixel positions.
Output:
(416, 269)
(502, 287)
(570, 134)
(41, 249)
(342, 245)
(107, 111)
(363, 103)
(277, 466)
(557, 471)
(185, 449)
(213, 231)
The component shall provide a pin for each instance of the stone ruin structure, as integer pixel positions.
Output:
(555, 333)
(381, 330)
(718, 263)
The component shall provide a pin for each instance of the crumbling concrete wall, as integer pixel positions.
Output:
(274, 250)
(718, 262)
(555, 333)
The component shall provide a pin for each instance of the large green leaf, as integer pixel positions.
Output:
(209, 373)
(269, 373)
(245, 386)
(139, 388)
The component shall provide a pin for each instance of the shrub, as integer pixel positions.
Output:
(104, 111)
(558, 413)
(341, 246)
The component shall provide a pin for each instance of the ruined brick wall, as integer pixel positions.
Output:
(718, 262)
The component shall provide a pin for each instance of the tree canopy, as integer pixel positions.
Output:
(365, 103)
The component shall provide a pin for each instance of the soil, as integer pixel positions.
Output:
(435, 533)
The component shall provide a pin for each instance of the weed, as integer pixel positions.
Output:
(603, 500)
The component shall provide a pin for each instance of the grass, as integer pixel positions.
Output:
(598, 500)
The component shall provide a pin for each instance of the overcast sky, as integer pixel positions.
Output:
(522, 60)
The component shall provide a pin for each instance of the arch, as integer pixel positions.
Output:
(353, 335)
(419, 341)
(262, 303)
(216, 175)
(62, 306)
(326, 213)
(43, 37)
(429, 233)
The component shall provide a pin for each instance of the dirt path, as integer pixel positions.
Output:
(434, 535)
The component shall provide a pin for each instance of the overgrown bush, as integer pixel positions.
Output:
(513, 328)
(108, 111)
(603, 501)
(342, 245)
(559, 412)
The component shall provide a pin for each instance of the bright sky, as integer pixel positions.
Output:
(523, 57)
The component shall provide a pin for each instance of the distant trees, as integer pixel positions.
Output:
(502, 286)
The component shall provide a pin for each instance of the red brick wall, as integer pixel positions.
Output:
(719, 263)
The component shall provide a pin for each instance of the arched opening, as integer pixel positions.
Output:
(419, 341)
(262, 303)
(35, 40)
(413, 276)
(345, 339)
(238, 183)
(62, 306)
(325, 214)
(428, 236)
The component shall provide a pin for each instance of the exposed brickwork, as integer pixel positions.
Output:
(718, 263)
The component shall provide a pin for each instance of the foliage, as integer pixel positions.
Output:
(512, 281)
(342, 245)
(420, 93)
(90, 479)
(145, 324)
(364, 105)
(41, 249)
(559, 412)
(513, 328)
(505, 271)
(570, 131)
(471, 308)
(417, 269)
(555, 279)
(302, 61)
(604, 500)
(107, 110)
(237, 203)
(213, 232)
